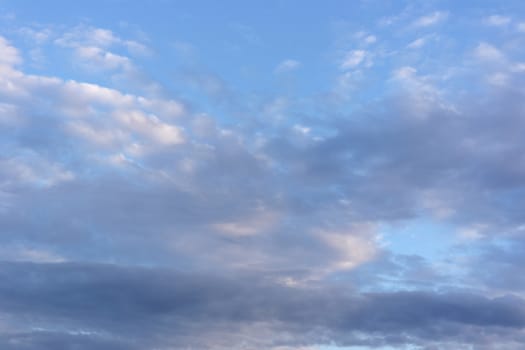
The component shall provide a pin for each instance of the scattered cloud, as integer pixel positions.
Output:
(8, 54)
(211, 210)
(487, 52)
(498, 20)
(353, 59)
(431, 19)
(370, 39)
(418, 43)
(287, 66)
(365, 37)
(99, 59)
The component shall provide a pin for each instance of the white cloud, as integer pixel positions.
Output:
(353, 59)
(259, 222)
(420, 96)
(431, 19)
(354, 246)
(137, 48)
(487, 52)
(151, 126)
(102, 39)
(30, 168)
(84, 111)
(498, 79)
(287, 66)
(497, 20)
(518, 67)
(169, 109)
(39, 36)
(88, 36)
(473, 232)
(521, 27)
(9, 55)
(101, 136)
(97, 58)
(370, 39)
(418, 43)
(86, 93)
(365, 38)
(405, 73)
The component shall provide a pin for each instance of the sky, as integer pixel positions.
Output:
(262, 175)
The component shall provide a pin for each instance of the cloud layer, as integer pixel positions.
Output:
(186, 211)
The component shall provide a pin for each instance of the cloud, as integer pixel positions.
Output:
(29, 168)
(431, 19)
(353, 59)
(95, 49)
(366, 38)
(39, 36)
(9, 55)
(151, 126)
(287, 66)
(63, 303)
(100, 59)
(272, 208)
(97, 37)
(370, 39)
(355, 247)
(418, 43)
(487, 52)
(498, 20)
(121, 140)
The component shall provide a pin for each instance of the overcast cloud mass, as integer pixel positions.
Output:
(266, 175)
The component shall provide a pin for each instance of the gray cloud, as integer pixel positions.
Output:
(87, 304)
(272, 215)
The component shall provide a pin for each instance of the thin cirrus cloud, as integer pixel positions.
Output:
(156, 200)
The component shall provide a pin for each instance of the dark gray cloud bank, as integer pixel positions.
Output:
(134, 221)
(69, 305)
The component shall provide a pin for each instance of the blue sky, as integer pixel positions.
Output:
(272, 175)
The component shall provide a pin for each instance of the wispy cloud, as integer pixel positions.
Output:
(418, 43)
(287, 66)
(353, 59)
(431, 19)
(498, 20)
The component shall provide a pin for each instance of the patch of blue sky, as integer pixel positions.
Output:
(424, 237)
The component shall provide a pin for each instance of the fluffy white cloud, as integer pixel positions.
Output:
(100, 49)
(9, 55)
(151, 126)
(488, 52)
(99, 59)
